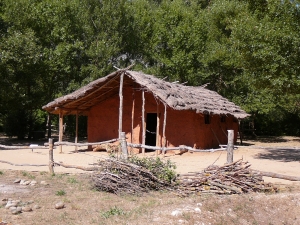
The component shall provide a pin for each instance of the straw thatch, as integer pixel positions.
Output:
(176, 96)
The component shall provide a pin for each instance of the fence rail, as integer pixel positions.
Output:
(123, 151)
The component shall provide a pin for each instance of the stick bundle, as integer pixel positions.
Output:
(233, 178)
(123, 177)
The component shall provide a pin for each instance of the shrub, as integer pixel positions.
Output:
(163, 170)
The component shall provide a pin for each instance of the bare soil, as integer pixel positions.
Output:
(84, 205)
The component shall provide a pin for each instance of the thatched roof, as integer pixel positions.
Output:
(176, 96)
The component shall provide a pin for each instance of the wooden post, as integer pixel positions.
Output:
(76, 132)
(132, 120)
(123, 142)
(60, 135)
(49, 127)
(51, 160)
(230, 146)
(143, 122)
(164, 130)
(157, 129)
(121, 104)
(240, 132)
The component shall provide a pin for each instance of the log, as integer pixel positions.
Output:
(60, 135)
(124, 146)
(22, 147)
(76, 132)
(276, 175)
(237, 190)
(157, 128)
(132, 119)
(85, 144)
(76, 167)
(143, 122)
(164, 130)
(230, 146)
(15, 164)
(182, 147)
(121, 104)
(51, 170)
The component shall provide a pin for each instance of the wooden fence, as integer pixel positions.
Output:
(124, 154)
(123, 151)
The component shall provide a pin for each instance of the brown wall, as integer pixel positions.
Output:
(182, 127)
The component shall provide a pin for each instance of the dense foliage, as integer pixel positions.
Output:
(164, 170)
(248, 51)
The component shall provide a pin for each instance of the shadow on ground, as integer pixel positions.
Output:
(269, 139)
(280, 154)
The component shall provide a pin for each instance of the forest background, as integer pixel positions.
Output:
(248, 51)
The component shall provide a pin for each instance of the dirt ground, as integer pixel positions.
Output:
(83, 205)
(273, 154)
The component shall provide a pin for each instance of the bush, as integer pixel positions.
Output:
(162, 170)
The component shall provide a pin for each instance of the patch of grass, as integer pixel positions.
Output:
(114, 211)
(1, 172)
(26, 174)
(60, 193)
(72, 180)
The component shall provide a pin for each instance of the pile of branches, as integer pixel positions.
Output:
(121, 177)
(233, 178)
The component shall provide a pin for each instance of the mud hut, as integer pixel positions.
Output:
(150, 111)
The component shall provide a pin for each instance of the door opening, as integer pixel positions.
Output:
(151, 123)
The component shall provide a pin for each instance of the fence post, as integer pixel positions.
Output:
(51, 160)
(123, 146)
(230, 146)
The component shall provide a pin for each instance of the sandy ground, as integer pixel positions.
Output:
(279, 155)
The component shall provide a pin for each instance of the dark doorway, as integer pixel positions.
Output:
(151, 123)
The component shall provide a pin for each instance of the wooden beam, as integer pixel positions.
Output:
(104, 85)
(121, 104)
(143, 122)
(49, 127)
(230, 146)
(132, 119)
(157, 128)
(51, 160)
(164, 129)
(76, 132)
(60, 134)
(95, 100)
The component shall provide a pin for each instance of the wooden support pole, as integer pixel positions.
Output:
(51, 160)
(143, 122)
(123, 142)
(49, 127)
(76, 132)
(230, 146)
(240, 132)
(121, 104)
(132, 120)
(60, 135)
(164, 130)
(157, 129)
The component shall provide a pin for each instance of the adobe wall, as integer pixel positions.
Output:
(182, 127)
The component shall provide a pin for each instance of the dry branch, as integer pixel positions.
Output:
(75, 167)
(182, 147)
(22, 147)
(13, 164)
(84, 144)
(276, 175)
(233, 178)
(123, 177)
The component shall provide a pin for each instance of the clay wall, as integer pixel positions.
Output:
(182, 127)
